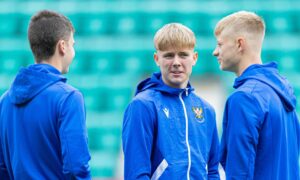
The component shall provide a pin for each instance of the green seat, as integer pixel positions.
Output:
(104, 138)
(12, 61)
(137, 62)
(6, 81)
(107, 99)
(103, 164)
(93, 23)
(278, 22)
(127, 23)
(8, 25)
(104, 130)
(104, 92)
(80, 63)
(207, 63)
(287, 59)
(152, 21)
(23, 23)
(199, 23)
(118, 98)
(103, 62)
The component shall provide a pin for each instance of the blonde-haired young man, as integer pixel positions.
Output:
(168, 131)
(261, 136)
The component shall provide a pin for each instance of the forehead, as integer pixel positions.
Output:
(71, 38)
(174, 50)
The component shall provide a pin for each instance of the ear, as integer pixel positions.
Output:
(241, 43)
(61, 47)
(195, 58)
(155, 56)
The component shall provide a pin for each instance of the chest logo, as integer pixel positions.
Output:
(166, 111)
(198, 113)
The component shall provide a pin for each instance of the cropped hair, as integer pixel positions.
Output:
(241, 22)
(45, 29)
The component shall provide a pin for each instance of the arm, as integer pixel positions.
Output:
(3, 170)
(213, 161)
(137, 138)
(73, 137)
(241, 124)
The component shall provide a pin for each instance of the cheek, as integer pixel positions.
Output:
(166, 65)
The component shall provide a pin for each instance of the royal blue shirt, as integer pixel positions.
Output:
(261, 133)
(42, 127)
(169, 133)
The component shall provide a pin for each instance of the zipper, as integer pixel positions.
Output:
(186, 135)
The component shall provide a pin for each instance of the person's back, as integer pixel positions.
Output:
(278, 132)
(261, 136)
(42, 119)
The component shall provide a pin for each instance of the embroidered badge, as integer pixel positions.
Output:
(166, 112)
(198, 112)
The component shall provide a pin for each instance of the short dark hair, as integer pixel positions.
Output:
(46, 28)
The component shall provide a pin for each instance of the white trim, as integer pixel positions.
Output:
(160, 170)
(222, 172)
(186, 137)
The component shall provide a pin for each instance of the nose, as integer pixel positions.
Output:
(216, 52)
(176, 62)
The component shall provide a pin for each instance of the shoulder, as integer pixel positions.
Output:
(146, 97)
(254, 87)
(65, 92)
(245, 101)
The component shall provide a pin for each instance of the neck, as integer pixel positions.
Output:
(246, 62)
(53, 62)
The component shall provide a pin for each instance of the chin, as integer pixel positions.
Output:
(65, 71)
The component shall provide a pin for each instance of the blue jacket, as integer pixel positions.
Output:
(42, 127)
(169, 133)
(261, 133)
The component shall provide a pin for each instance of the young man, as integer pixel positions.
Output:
(168, 131)
(42, 119)
(261, 133)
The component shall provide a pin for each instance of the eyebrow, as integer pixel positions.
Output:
(183, 53)
(168, 54)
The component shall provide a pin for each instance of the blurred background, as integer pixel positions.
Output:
(114, 51)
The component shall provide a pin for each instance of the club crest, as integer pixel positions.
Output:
(198, 113)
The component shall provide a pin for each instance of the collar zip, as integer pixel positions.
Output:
(186, 91)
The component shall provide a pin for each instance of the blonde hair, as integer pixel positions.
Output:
(174, 36)
(242, 22)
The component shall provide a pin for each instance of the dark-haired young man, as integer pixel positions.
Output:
(42, 119)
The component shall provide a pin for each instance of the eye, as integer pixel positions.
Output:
(168, 55)
(183, 55)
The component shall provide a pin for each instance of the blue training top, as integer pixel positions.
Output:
(42, 127)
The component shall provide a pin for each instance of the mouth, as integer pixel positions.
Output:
(176, 72)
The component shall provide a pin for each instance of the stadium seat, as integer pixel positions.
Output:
(104, 130)
(6, 81)
(278, 22)
(127, 23)
(207, 63)
(103, 62)
(137, 62)
(23, 23)
(80, 63)
(152, 21)
(93, 23)
(287, 59)
(103, 164)
(12, 61)
(8, 25)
